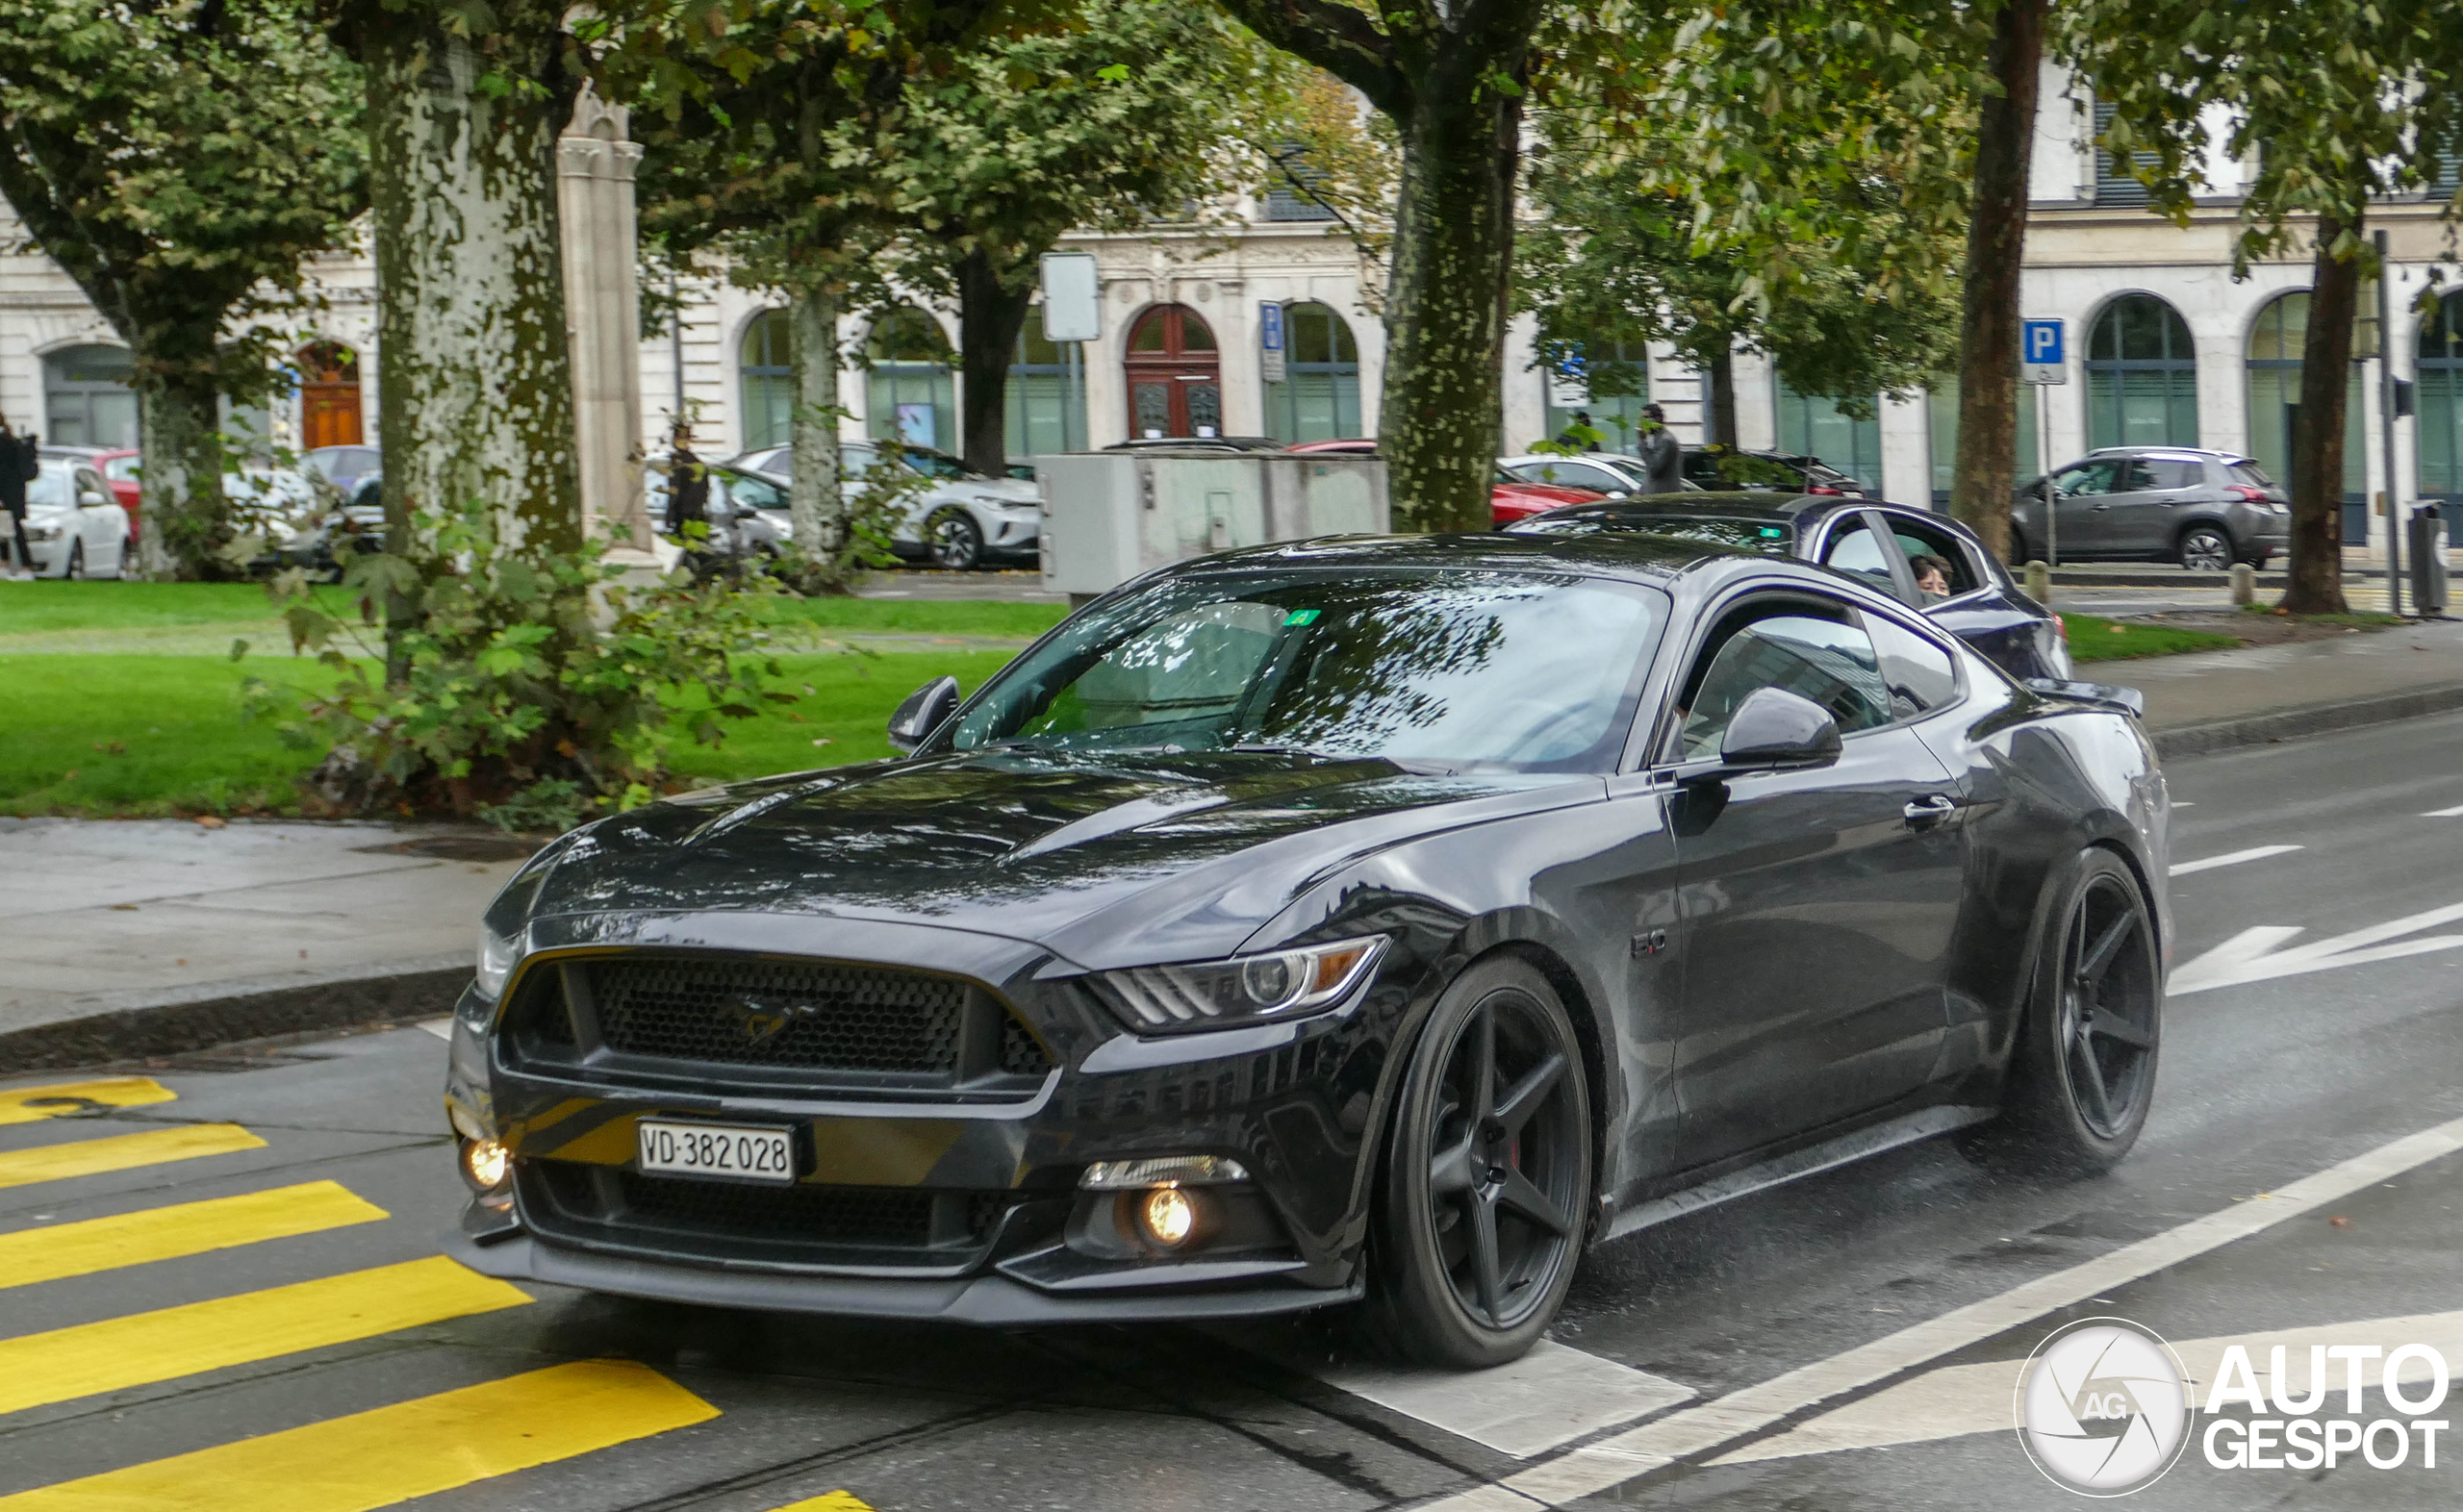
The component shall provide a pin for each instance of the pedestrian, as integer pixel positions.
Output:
(688, 487)
(1578, 432)
(1662, 459)
(20, 461)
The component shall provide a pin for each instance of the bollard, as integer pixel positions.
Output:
(2245, 584)
(2040, 581)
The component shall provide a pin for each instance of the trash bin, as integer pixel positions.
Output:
(2427, 543)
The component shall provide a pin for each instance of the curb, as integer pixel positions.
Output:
(2317, 718)
(229, 1012)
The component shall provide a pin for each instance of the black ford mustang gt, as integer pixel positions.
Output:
(1370, 920)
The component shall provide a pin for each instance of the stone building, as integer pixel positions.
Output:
(2163, 346)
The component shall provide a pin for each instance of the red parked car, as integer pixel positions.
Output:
(1510, 498)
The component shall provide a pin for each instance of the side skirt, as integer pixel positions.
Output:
(1811, 1160)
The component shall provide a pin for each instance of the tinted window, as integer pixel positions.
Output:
(935, 464)
(1919, 675)
(1853, 548)
(1921, 541)
(1467, 669)
(2086, 479)
(1830, 662)
(753, 492)
(2250, 474)
(1767, 537)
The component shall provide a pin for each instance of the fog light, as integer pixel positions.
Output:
(485, 1163)
(1168, 1216)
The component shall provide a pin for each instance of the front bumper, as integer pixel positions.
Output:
(986, 1170)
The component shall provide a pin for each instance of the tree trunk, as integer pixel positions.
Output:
(1997, 239)
(1442, 416)
(1720, 418)
(182, 519)
(815, 501)
(475, 373)
(2315, 577)
(990, 317)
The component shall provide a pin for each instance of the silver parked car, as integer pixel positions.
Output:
(961, 521)
(2205, 510)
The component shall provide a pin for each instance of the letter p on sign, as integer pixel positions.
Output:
(2041, 358)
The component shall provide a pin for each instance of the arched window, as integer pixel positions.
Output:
(912, 394)
(86, 399)
(1619, 378)
(1047, 393)
(2142, 376)
(766, 369)
(329, 414)
(2275, 344)
(1319, 397)
(2441, 402)
(1818, 428)
(1175, 375)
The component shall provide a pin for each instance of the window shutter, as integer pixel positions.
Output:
(2113, 184)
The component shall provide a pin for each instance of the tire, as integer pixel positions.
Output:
(2259, 559)
(2204, 549)
(1442, 1203)
(953, 540)
(2082, 1075)
(75, 571)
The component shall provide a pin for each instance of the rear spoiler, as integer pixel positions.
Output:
(2104, 695)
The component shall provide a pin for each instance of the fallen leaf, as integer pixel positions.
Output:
(2339, 1222)
(124, 908)
(210, 821)
(824, 740)
(71, 775)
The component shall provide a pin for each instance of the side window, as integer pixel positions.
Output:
(1853, 548)
(1831, 662)
(2085, 480)
(2172, 472)
(1918, 675)
(755, 492)
(1928, 547)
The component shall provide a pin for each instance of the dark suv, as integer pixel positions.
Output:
(2205, 510)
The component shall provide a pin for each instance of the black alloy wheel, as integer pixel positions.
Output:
(2086, 1064)
(1484, 1203)
(2205, 549)
(955, 540)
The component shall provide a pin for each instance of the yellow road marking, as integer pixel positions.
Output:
(27, 1104)
(188, 1228)
(826, 1502)
(87, 1157)
(417, 1449)
(143, 1348)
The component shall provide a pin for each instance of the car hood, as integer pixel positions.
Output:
(1104, 862)
(1010, 490)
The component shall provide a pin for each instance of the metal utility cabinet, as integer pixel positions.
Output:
(1108, 517)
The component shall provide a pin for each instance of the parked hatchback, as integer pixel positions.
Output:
(962, 522)
(1879, 543)
(2205, 510)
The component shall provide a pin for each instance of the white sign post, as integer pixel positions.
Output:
(1073, 297)
(2043, 362)
(1270, 341)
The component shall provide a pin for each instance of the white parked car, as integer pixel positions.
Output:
(963, 520)
(74, 525)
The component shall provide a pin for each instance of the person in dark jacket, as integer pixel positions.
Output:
(688, 486)
(20, 461)
(1662, 459)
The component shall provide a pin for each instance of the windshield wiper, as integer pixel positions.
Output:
(1280, 748)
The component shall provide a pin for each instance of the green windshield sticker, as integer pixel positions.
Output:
(1302, 616)
(1771, 533)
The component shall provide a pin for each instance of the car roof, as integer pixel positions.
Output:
(1741, 504)
(1656, 556)
(2168, 453)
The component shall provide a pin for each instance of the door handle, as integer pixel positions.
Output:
(1930, 809)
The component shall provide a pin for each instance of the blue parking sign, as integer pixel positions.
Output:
(2041, 358)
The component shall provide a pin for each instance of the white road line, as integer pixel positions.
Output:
(1550, 1397)
(2260, 953)
(441, 1028)
(1594, 1467)
(2182, 868)
(2455, 812)
(1976, 1399)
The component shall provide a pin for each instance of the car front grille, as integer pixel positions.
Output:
(767, 1016)
(737, 1221)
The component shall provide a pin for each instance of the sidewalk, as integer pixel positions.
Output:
(130, 939)
(150, 937)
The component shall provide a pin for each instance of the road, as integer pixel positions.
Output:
(322, 1359)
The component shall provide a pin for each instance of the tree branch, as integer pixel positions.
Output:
(1335, 38)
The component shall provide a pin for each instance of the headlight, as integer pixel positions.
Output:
(497, 954)
(1214, 995)
(42, 533)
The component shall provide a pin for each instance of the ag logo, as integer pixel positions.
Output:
(2104, 1407)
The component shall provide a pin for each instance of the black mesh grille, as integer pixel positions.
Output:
(1021, 1053)
(780, 1012)
(901, 1216)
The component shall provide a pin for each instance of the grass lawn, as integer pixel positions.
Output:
(2095, 639)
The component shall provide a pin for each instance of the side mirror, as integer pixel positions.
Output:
(91, 499)
(924, 711)
(1774, 727)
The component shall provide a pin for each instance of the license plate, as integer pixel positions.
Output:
(733, 1151)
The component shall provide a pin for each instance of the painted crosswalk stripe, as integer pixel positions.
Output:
(2455, 812)
(30, 1105)
(90, 1157)
(2182, 868)
(141, 1348)
(187, 1229)
(392, 1454)
(828, 1501)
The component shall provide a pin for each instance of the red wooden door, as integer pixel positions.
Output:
(328, 396)
(1175, 375)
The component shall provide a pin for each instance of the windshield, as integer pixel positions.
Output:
(1468, 670)
(49, 487)
(1753, 535)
